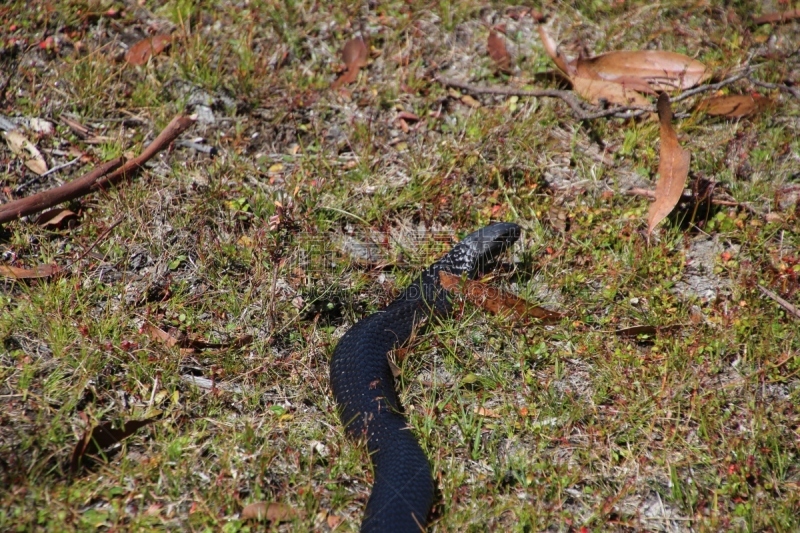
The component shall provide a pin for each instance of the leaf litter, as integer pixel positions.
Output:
(619, 77)
(673, 167)
(355, 55)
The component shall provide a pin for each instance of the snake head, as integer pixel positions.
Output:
(480, 250)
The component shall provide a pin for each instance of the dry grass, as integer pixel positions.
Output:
(693, 429)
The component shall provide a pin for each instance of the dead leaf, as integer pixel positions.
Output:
(333, 521)
(498, 52)
(488, 413)
(57, 218)
(734, 105)
(272, 512)
(635, 331)
(141, 52)
(354, 54)
(405, 115)
(40, 271)
(79, 129)
(495, 300)
(673, 168)
(26, 150)
(159, 334)
(103, 436)
(644, 70)
(616, 76)
(41, 126)
(470, 101)
(784, 16)
(551, 48)
(175, 337)
(597, 91)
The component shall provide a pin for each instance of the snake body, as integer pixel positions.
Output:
(363, 385)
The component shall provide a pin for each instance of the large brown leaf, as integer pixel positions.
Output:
(673, 167)
(597, 90)
(734, 105)
(139, 53)
(656, 69)
(615, 76)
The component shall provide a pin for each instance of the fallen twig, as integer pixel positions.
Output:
(177, 126)
(786, 88)
(783, 303)
(583, 111)
(50, 198)
(101, 177)
(98, 240)
(567, 96)
(650, 194)
(62, 167)
(203, 148)
(745, 72)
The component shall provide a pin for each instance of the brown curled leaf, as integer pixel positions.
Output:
(645, 70)
(673, 167)
(734, 105)
(496, 301)
(141, 52)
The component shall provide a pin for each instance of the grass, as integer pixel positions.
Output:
(564, 428)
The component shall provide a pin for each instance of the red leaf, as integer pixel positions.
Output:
(139, 53)
(498, 52)
(673, 168)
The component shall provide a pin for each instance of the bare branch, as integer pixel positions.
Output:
(100, 178)
(783, 303)
(584, 111)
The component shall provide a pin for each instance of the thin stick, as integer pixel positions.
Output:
(176, 126)
(578, 108)
(791, 90)
(651, 195)
(97, 179)
(783, 303)
(52, 197)
(714, 86)
(568, 96)
(98, 240)
(62, 167)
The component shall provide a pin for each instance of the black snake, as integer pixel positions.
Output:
(363, 385)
